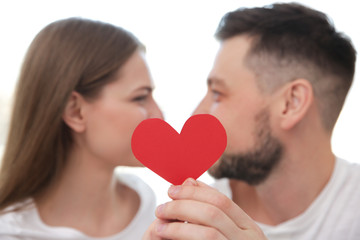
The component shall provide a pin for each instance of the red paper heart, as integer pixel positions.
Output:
(176, 157)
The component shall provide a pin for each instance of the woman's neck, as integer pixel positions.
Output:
(89, 198)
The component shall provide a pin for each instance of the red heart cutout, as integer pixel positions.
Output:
(176, 157)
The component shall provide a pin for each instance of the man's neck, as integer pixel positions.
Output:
(287, 193)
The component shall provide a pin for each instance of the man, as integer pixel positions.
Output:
(278, 84)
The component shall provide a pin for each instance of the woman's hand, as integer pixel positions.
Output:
(201, 212)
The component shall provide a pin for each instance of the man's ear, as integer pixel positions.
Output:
(295, 102)
(73, 113)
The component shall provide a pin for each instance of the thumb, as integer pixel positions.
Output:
(190, 182)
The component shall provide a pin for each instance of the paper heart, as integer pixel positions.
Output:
(176, 157)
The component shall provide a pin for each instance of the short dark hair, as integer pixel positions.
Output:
(291, 41)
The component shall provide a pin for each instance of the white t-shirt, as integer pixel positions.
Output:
(334, 215)
(26, 224)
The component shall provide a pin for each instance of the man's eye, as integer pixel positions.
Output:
(215, 95)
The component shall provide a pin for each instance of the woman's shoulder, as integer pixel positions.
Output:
(143, 190)
(134, 182)
(13, 217)
(146, 212)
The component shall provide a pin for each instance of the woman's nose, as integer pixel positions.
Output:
(156, 112)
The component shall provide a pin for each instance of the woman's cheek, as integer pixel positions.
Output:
(144, 112)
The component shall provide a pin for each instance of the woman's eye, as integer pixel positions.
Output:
(140, 98)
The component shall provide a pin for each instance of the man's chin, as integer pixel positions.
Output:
(213, 171)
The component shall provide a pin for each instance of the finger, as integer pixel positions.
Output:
(187, 231)
(206, 194)
(198, 213)
(151, 232)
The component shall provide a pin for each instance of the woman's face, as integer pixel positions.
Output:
(120, 107)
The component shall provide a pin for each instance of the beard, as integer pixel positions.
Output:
(255, 165)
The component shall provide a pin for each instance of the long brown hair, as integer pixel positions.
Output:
(68, 55)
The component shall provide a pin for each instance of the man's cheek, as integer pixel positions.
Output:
(214, 108)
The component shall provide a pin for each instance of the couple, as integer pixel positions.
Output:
(278, 84)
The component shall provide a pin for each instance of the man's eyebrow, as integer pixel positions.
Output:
(216, 81)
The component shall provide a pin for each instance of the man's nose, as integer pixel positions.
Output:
(201, 108)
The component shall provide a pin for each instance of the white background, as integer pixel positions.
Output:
(180, 51)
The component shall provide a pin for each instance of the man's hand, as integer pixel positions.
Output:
(201, 212)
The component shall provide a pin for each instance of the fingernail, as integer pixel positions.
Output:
(160, 227)
(173, 190)
(160, 209)
(190, 182)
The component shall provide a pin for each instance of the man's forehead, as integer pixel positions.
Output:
(234, 50)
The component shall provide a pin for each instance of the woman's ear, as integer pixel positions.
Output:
(73, 113)
(295, 102)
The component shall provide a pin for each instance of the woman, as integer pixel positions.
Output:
(83, 88)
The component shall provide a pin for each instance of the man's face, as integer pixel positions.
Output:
(235, 99)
